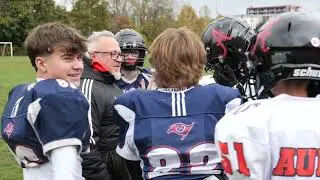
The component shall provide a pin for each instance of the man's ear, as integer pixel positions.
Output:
(41, 64)
(92, 55)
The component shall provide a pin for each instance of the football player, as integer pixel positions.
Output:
(45, 123)
(277, 138)
(170, 129)
(134, 76)
(227, 41)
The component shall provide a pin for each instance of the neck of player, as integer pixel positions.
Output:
(291, 87)
(130, 75)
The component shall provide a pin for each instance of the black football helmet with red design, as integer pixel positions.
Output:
(227, 42)
(287, 47)
(129, 41)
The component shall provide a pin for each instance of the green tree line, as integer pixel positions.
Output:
(149, 17)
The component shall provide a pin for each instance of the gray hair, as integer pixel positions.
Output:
(95, 36)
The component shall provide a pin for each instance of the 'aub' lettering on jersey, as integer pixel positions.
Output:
(303, 72)
(306, 163)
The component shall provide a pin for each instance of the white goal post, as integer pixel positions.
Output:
(3, 46)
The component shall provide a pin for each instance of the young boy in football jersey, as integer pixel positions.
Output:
(45, 123)
(134, 75)
(169, 130)
(277, 138)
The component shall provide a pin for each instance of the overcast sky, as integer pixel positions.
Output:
(237, 7)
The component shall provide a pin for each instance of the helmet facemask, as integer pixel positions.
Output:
(227, 42)
(131, 42)
(134, 58)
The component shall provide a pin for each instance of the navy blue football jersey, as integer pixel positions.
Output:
(42, 116)
(141, 82)
(171, 132)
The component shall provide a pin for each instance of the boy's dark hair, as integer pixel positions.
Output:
(44, 39)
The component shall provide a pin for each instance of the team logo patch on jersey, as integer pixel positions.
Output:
(9, 129)
(180, 129)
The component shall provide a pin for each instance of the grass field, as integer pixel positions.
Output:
(13, 71)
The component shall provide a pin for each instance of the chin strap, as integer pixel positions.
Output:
(241, 89)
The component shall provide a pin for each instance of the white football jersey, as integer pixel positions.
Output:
(271, 139)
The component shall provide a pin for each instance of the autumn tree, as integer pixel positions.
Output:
(203, 20)
(19, 17)
(153, 16)
(187, 17)
(120, 22)
(205, 12)
(90, 15)
(120, 7)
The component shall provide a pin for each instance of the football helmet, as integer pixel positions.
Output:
(227, 42)
(131, 41)
(287, 47)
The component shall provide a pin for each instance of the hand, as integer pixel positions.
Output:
(224, 75)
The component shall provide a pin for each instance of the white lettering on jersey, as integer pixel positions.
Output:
(62, 83)
(202, 157)
(30, 86)
(304, 166)
(16, 108)
(306, 72)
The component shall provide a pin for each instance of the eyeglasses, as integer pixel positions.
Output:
(134, 54)
(114, 55)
